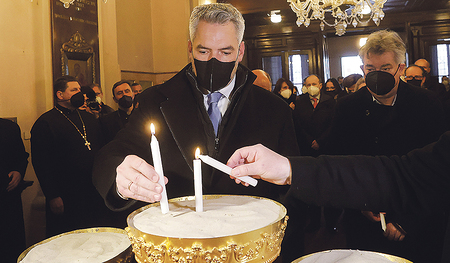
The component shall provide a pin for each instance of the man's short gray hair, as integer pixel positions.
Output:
(217, 13)
(384, 41)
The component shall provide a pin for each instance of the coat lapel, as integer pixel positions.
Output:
(185, 119)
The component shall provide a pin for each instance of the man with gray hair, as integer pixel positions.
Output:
(387, 117)
(211, 104)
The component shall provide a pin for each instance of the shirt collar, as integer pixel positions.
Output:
(376, 101)
(226, 91)
(317, 97)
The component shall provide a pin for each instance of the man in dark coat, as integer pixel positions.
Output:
(387, 117)
(64, 141)
(112, 123)
(13, 164)
(178, 109)
(312, 117)
(413, 185)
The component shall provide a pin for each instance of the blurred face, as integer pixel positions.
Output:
(414, 73)
(121, 91)
(216, 41)
(73, 87)
(384, 62)
(329, 86)
(284, 86)
(97, 91)
(136, 89)
(424, 64)
(313, 81)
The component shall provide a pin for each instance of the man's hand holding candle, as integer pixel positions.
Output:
(260, 162)
(138, 180)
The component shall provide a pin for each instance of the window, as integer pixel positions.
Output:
(298, 69)
(273, 66)
(351, 65)
(443, 60)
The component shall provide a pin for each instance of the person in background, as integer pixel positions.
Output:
(13, 164)
(263, 79)
(340, 79)
(285, 90)
(333, 88)
(112, 123)
(64, 141)
(416, 76)
(349, 83)
(361, 83)
(137, 88)
(104, 109)
(431, 82)
(312, 117)
(445, 82)
(387, 117)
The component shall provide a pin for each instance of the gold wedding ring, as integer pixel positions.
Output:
(129, 185)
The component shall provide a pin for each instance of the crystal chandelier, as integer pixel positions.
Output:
(343, 12)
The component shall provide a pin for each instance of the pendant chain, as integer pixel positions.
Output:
(83, 135)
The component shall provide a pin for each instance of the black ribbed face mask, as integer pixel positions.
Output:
(213, 74)
(380, 82)
(77, 100)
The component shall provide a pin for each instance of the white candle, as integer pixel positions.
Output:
(198, 182)
(157, 164)
(226, 169)
(383, 222)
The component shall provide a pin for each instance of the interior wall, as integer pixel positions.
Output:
(339, 47)
(346, 46)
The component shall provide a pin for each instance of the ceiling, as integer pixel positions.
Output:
(391, 6)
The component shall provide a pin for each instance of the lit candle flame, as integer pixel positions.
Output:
(197, 153)
(152, 128)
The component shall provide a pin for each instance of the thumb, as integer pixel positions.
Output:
(249, 169)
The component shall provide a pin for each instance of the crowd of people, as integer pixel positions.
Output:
(94, 164)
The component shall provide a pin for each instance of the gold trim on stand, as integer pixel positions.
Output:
(261, 245)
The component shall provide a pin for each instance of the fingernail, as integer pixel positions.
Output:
(158, 188)
(157, 197)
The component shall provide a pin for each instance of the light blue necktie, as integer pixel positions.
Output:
(213, 110)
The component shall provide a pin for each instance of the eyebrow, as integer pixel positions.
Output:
(200, 46)
(382, 66)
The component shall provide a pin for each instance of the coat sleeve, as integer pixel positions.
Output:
(43, 158)
(416, 183)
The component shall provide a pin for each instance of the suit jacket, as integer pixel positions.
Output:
(362, 126)
(415, 184)
(112, 123)
(312, 123)
(177, 110)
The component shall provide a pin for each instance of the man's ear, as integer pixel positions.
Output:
(241, 51)
(189, 46)
(59, 95)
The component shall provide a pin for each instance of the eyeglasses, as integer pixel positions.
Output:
(414, 77)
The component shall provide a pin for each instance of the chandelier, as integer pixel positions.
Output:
(343, 12)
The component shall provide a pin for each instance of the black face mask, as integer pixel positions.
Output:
(380, 82)
(213, 74)
(77, 100)
(415, 82)
(125, 102)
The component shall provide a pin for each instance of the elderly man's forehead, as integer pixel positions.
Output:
(414, 70)
(312, 78)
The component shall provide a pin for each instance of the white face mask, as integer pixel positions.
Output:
(98, 99)
(286, 93)
(313, 90)
(304, 89)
